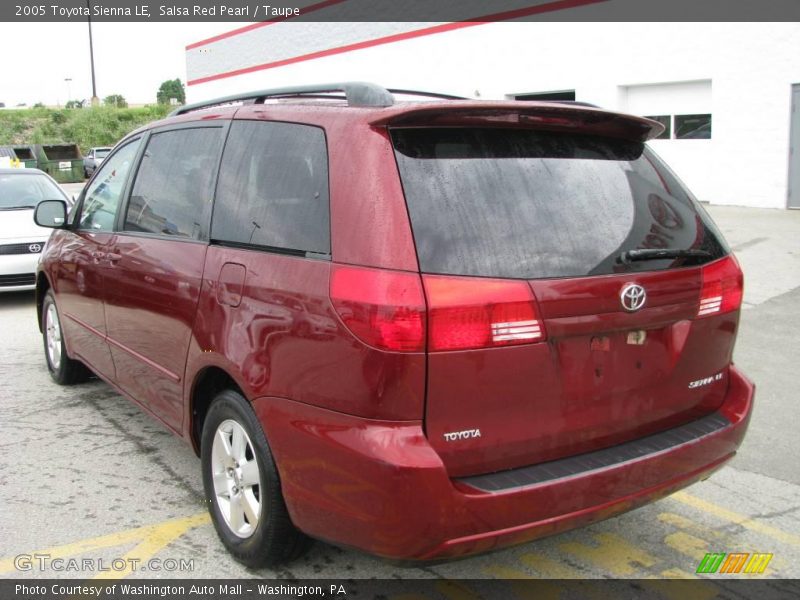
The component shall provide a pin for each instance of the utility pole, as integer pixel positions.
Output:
(95, 99)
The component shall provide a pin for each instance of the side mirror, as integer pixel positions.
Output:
(51, 213)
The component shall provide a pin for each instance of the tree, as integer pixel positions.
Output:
(74, 104)
(115, 100)
(172, 88)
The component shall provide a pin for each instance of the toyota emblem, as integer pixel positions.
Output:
(34, 248)
(633, 297)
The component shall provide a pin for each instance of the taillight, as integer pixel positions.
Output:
(467, 313)
(723, 285)
(385, 309)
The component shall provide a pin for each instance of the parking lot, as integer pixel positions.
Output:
(85, 474)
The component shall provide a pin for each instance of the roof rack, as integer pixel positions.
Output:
(356, 93)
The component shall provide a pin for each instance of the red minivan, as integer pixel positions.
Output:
(421, 329)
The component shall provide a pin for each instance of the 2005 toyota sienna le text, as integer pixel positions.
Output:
(423, 329)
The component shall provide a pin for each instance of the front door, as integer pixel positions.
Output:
(153, 282)
(84, 261)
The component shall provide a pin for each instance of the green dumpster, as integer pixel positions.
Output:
(63, 162)
(26, 155)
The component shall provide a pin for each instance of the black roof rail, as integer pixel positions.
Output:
(357, 93)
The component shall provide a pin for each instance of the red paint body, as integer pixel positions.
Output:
(358, 432)
(381, 487)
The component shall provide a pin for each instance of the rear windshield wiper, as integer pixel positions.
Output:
(630, 256)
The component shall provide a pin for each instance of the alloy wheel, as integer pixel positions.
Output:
(236, 478)
(53, 329)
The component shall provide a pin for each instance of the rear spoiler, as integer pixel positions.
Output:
(547, 116)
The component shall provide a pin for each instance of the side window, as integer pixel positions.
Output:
(273, 188)
(105, 192)
(174, 186)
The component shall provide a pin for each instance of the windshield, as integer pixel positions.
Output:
(534, 204)
(26, 190)
(101, 152)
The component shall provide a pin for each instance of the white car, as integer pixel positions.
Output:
(93, 159)
(21, 240)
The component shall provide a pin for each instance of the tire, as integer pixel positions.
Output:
(246, 503)
(63, 369)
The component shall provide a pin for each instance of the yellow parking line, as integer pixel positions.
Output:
(696, 547)
(526, 586)
(545, 568)
(454, 590)
(548, 568)
(541, 590)
(681, 522)
(151, 538)
(158, 539)
(739, 519)
(502, 572)
(676, 574)
(687, 544)
(614, 554)
(671, 590)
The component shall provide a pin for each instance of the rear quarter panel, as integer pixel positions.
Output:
(267, 344)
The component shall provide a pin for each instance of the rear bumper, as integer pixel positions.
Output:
(378, 485)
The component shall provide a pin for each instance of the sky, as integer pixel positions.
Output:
(131, 59)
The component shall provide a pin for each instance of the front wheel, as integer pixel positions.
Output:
(242, 486)
(63, 369)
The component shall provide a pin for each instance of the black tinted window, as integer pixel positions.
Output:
(692, 127)
(527, 204)
(273, 188)
(174, 186)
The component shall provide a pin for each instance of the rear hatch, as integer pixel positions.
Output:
(554, 325)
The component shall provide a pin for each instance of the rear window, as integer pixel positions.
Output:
(273, 189)
(533, 204)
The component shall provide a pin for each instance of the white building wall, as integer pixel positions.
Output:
(751, 67)
(692, 158)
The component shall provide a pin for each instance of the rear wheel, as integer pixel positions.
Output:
(63, 369)
(242, 486)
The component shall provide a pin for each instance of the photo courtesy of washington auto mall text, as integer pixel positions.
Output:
(399, 299)
(179, 590)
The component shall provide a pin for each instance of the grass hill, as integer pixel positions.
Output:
(87, 127)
